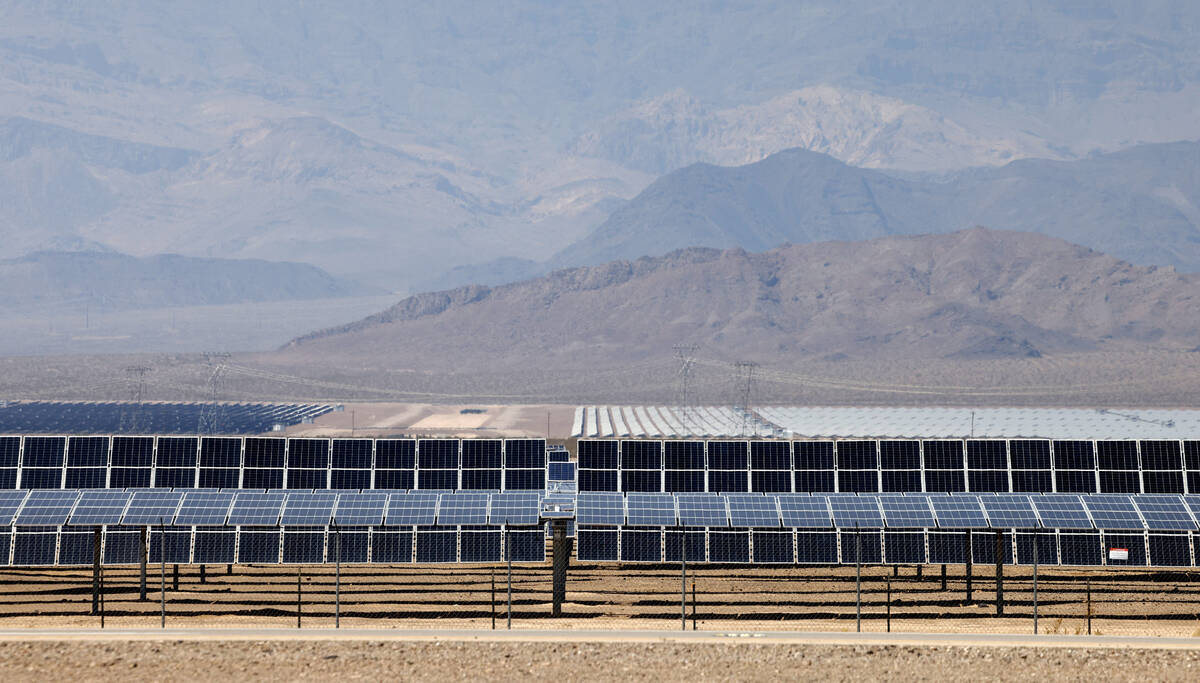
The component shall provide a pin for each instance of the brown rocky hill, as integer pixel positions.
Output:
(972, 294)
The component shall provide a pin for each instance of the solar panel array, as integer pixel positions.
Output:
(51, 417)
(38, 462)
(889, 466)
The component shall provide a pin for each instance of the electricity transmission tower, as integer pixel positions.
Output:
(686, 355)
(131, 419)
(744, 373)
(212, 413)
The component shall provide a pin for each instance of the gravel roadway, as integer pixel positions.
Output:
(456, 659)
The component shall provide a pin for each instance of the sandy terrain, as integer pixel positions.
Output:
(425, 419)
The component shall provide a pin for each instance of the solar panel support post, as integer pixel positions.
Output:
(162, 558)
(493, 598)
(299, 600)
(969, 567)
(943, 577)
(562, 557)
(337, 578)
(1088, 585)
(693, 604)
(857, 580)
(229, 570)
(999, 573)
(1035, 578)
(203, 578)
(96, 571)
(508, 554)
(889, 605)
(175, 578)
(143, 551)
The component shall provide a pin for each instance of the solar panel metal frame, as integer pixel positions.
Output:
(907, 512)
(1113, 511)
(257, 509)
(463, 507)
(856, 512)
(702, 509)
(959, 512)
(151, 507)
(752, 510)
(309, 509)
(1165, 512)
(47, 507)
(600, 507)
(801, 511)
(354, 508)
(204, 508)
(97, 507)
(651, 509)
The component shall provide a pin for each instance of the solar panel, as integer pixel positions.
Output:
(308, 509)
(907, 512)
(256, 509)
(702, 509)
(1009, 512)
(746, 509)
(654, 509)
(463, 508)
(1113, 512)
(1167, 513)
(98, 507)
(10, 502)
(804, 512)
(1060, 511)
(958, 512)
(851, 512)
(47, 507)
(360, 509)
(204, 508)
(600, 508)
(149, 507)
(515, 507)
(405, 509)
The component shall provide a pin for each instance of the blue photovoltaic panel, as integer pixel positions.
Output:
(652, 509)
(702, 509)
(562, 471)
(308, 509)
(804, 512)
(1165, 512)
(462, 508)
(851, 512)
(748, 509)
(958, 512)
(600, 508)
(1061, 511)
(47, 507)
(405, 509)
(152, 507)
(515, 507)
(256, 509)
(204, 508)
(907, 512)
(1113, 512)
(97, 507)
(360, 509)
(1009, 512)
(10, 501)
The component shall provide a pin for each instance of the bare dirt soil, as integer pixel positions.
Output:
(1126, 602)
(465, 661)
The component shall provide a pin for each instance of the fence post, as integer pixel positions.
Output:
(560, 560)
(999, 573)
(1089, 604)
(493, 597)
(508, 554)
(143, 551)
(857, 579)
(1035, 579)
(162, 558)
(299, 572)
(970, 553)
(943, 577)
(693, 604)
(102, 605)
(96, 571)
(682, 580)
(337, 579)
(889, 605)
(202, 576)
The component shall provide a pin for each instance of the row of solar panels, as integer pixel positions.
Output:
(153, 418)
(890, 466)
(910, 511)
(94, 507)
(384, 545)
(1073, 548)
